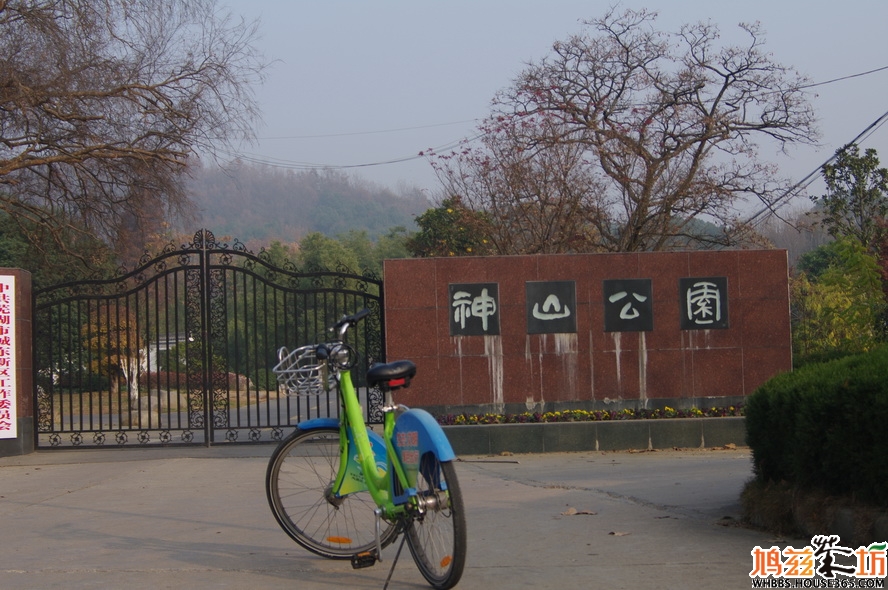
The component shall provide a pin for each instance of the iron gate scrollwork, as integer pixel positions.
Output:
(179, 351)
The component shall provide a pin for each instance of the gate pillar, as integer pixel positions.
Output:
(16, 365)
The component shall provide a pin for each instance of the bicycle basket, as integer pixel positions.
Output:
(301, 372)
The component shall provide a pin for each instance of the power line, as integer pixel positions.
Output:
(809, 178)
(293, 165)
(843, 78)
(257, 159)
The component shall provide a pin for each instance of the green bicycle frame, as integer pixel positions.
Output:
(353, 431)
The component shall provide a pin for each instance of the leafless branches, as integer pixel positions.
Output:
(103, 102)
(641, 140)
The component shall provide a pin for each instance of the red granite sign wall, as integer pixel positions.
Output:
(519, 333)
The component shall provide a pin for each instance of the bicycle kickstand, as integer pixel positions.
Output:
(388, 579)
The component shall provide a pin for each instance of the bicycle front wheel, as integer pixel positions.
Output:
(436, 535)
(299, 484)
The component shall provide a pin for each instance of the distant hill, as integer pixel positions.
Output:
(260, 203)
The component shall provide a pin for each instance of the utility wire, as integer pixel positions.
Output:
(291, 165)
(809, 178)
(280, 163)
(843, 78)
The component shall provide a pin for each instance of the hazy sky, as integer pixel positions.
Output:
(360, 83)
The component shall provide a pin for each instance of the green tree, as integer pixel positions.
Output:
(393, 244)
(371, 254)
(815, 262)
(360, 244)
(319, 251)
(856, 198)
(451, 229)
(279, 254)
(841, 309)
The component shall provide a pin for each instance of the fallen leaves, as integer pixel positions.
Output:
(574, 512)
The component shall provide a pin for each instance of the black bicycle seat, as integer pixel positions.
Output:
(391, 375)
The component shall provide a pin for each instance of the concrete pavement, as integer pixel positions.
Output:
(197, 518)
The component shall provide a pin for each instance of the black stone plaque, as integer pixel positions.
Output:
(628, 305)
(474, 309)
(704, 303)
(551, 307)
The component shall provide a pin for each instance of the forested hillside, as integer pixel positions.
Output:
(260, 203)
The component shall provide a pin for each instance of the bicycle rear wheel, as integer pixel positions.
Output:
(437, 534)
(299, 483)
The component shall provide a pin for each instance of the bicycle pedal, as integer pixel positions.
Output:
(362, 560)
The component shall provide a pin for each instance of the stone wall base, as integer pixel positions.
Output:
(23, 444)
(624, 435)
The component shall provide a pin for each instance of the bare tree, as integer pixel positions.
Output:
(653, 136)
(538, 201)
(103, 102)
(794, 231)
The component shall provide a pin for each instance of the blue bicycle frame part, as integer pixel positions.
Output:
(417, 434)
(316, 423)
(351, 478)
(385, 466)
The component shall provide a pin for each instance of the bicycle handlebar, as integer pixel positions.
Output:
(337, 353)
(349, 321)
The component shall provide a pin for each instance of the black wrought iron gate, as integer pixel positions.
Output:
(179, 351)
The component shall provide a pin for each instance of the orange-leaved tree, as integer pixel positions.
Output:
(114, 346)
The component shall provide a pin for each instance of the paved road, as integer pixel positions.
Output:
(197, 518)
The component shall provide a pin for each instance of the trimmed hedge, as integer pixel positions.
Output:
(823, 426)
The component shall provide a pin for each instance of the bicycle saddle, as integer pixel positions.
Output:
(391, 375)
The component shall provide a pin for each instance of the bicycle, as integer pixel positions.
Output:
(342, 491)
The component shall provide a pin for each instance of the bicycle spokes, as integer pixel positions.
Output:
(343, 491)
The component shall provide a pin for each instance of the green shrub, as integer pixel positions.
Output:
(821, 427)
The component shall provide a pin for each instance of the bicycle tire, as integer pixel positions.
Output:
(437, 537)
(297, 483)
